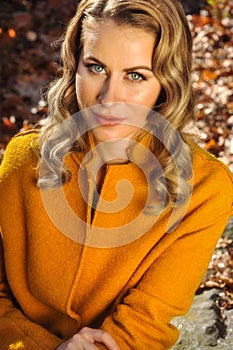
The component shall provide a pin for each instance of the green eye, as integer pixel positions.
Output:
(136, 76)
(97, 68)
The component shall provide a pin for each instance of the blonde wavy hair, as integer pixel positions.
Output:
(172, 66)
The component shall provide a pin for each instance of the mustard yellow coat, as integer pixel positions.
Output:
(58, 274)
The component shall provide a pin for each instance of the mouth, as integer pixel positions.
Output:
(107, 120)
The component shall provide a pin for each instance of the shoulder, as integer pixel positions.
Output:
(22, 149)
(205, 161)
(211, 177)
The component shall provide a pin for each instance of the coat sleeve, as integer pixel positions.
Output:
(16, 330)
(142, 320)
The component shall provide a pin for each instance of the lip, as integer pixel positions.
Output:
(107, 120)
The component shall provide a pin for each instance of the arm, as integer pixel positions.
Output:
(16, 330)
(142, 320)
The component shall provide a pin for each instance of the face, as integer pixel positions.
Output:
(115, 80)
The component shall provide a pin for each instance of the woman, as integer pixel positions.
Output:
(110, 213)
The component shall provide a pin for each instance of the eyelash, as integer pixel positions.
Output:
(90, 67)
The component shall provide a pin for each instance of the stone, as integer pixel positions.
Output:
(203, 327)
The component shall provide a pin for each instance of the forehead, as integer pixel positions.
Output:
(92, 26)
(109, 37)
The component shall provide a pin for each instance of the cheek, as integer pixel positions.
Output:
(80, 90)
(147, 99)
(86, 91)
(151, 96)
(148, 95)
(77, 85)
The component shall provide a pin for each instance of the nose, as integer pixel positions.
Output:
(111, 91)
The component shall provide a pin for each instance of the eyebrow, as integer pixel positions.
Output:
(92, 58)
(130, 69)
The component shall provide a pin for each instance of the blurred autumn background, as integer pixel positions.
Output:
(28, 61)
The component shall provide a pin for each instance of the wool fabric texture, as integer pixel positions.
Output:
(53, 284)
